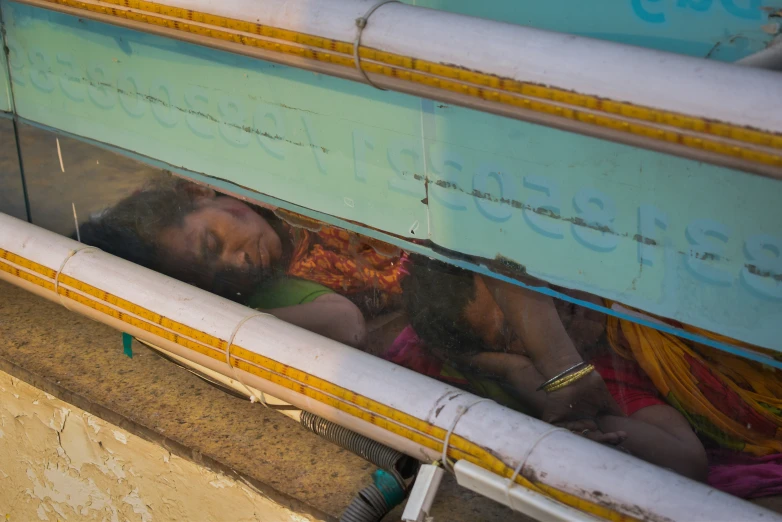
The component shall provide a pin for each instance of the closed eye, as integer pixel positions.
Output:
(211, 246)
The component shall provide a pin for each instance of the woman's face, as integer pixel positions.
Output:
(224, 236)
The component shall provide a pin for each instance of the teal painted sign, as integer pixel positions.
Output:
(674, 237)
(725, 30)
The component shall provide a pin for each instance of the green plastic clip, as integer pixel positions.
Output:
(127, 344)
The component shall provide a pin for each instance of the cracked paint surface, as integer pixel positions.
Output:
(59, 463)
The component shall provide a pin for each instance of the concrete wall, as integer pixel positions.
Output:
(58, 462)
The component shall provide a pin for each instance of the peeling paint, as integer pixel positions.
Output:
(763, 273)
(139, 507)
(60, 463)
(577, 221)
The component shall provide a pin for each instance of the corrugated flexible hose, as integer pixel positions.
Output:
(377, 500)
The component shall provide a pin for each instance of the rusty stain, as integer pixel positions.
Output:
(577, 221)
(296, 108)
(762, 273)
(636, 278)
(245, 128)
(633, 510)
(713, 49)
(645, 240)
(707, 256)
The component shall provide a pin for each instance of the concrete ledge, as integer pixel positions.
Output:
(82, 362)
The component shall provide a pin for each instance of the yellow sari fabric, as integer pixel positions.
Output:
(733, 401)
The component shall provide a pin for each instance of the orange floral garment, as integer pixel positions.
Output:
(346, 262)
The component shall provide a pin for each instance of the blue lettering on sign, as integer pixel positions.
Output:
(707, 239)
(362, 143)
(312, 137)
(447, 165)
(130, 98)
(650, 218)
(696, 5)
(197, 119)
(494, 190)
(750, 12)
(39, 67)
(495, 211)
(593, 225)
(542, 206)
(647, 16)
(100, 90)
(162, 107)
(15, 61)
(652, 11)
(233, 127)
(270, 124)
(401, 154)
(70, 83)
(762, 275)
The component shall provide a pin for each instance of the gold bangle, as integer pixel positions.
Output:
(569, 379)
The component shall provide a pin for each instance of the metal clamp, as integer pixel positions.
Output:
(361, 23)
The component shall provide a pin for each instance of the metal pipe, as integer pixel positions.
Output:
(646, 98)
(366, 394)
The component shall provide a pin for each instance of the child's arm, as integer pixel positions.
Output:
(661, 435)
(330, 315)
(535, 320)
(523, 379)
(517, 372)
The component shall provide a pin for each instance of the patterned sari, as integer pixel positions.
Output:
(735, 402)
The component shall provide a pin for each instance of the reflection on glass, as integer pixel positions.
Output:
(696, 410)
(318, 277)
(11, 191)
(703, 413)
(64, 174)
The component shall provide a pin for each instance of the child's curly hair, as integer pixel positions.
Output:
(435, 296)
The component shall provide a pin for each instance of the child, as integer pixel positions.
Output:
(520, 338)
(246, 254)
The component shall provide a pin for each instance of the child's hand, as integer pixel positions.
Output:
(590, 430)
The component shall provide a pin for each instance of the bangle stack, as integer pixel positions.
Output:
(566, 378)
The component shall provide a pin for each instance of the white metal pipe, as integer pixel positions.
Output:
(534, 505)
(663, 101)
(610, 70)
(406, 410)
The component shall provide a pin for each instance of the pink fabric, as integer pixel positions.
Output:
(745, 476)
(739, 474)
(407, 350)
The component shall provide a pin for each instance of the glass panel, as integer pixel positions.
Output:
(67, 176)
(673, 402)
(11, 191)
